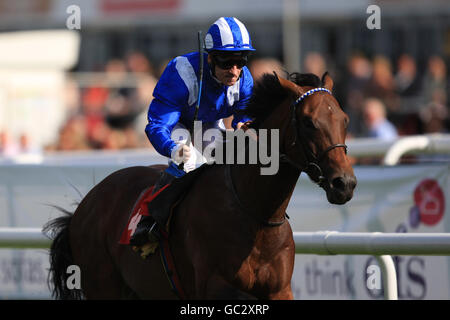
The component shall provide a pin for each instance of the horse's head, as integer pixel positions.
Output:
(315, 137)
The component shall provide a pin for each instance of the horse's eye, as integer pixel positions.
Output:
(308, 123)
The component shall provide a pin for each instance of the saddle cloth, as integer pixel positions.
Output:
(141, 209)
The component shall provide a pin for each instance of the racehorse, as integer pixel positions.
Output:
(229, 237)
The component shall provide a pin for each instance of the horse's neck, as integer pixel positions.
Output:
(267, 195)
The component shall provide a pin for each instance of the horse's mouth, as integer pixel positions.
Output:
(339, 193)
(339, 197)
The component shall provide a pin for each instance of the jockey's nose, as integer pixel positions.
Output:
(235, 70)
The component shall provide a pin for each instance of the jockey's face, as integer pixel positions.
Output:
(228, 67)
(229, 76)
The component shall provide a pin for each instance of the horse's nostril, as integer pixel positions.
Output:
(338, 183)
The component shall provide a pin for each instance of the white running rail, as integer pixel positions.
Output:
(23, 238)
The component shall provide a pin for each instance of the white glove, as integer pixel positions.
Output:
(181, 153)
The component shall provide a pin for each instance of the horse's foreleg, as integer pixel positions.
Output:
(284, 294)
(219, 289)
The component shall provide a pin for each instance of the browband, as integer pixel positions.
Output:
(310, 92)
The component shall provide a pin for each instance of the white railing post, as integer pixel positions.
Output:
(402, 146)
(432, 143)
(389, 275)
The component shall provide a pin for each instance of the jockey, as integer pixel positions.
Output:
(226, 88)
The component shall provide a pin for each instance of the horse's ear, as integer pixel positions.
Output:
(327, 82)
(290, 86)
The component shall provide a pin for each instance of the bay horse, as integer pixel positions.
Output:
(229, 237)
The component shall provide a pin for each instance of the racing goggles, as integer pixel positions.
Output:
(226, 63)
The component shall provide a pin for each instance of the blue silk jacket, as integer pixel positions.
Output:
(175, 97)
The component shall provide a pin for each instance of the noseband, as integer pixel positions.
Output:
(312, 168)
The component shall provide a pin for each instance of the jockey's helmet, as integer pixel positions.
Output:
(228, 34)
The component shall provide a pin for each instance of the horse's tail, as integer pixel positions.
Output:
(60, 257)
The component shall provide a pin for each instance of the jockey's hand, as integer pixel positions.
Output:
(181, 153)
(243, 125)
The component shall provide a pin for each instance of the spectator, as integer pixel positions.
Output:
(72, 136)
(266, 65)
(114, 140)
(408, 87)
(94, 100)
(359, 74)
(382, 84)
(407, 82)
(137, 63)
(8, 147)
(436, 85)
(375, 119)
(315, 63)
(26, 145)
(434, 117)
(120, 107)
(143, 72)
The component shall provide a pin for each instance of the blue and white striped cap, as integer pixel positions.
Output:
(228, 34)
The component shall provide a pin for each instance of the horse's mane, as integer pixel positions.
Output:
(268, 94)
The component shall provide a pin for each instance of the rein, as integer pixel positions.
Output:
(312, 168)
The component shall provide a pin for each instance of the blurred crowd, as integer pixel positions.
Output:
(109, 111)
(384, 99)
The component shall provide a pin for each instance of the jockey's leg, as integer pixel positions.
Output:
(146, 226)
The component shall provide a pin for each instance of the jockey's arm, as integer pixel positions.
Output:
(162, 118)
(170, 95)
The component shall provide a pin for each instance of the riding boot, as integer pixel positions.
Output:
(146, 228)
(164, 179)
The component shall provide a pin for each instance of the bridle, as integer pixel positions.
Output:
(312, 168)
